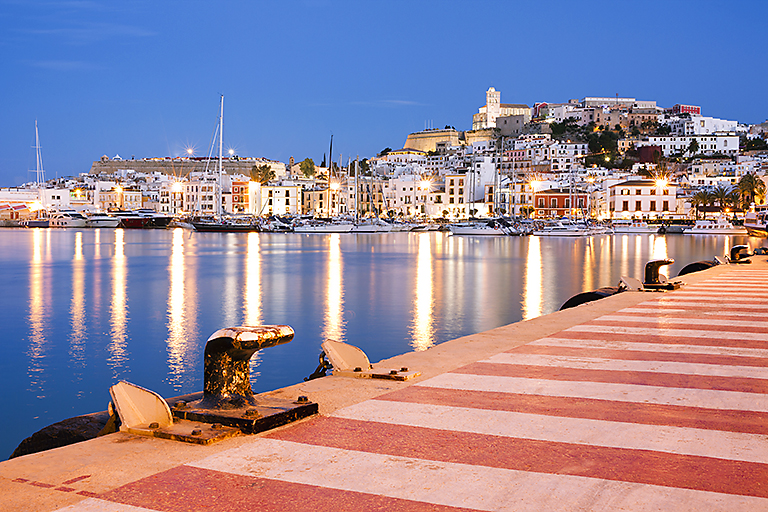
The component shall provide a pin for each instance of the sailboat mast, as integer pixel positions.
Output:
(39, 171)
(221, 142)
(357, 194)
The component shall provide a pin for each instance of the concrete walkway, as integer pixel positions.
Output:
(643, 401)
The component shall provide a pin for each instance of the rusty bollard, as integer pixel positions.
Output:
(227, 382)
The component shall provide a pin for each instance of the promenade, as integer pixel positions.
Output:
(642, 401)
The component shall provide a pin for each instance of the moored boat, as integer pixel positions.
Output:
(226, 225)
(100, 220)
(720, 226)
(320, 226)
(479, 228)
(756, 223)
(67, 219)
(633, 226)
(559, 228)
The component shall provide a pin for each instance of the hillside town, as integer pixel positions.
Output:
(602, 158)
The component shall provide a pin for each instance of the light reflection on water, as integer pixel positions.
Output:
(84, 308)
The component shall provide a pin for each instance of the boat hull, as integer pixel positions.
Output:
(331, 228)
(105, 222)
(218, 227)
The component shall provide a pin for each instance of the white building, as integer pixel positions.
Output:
(724, 143)
(642, 198)
(699, 125)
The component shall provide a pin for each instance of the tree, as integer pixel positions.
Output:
(307, 167)
(693, 147)
(385, 151)
(262, 173)
(752, 188)
(700, 198)
(755, 144)
(721, 196)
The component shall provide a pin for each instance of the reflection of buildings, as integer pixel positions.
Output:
(334, 325)
(77, 307)
(533, 280)
(423, 331)
(182, 328)
(36, 351)
(252, 297)
(119, 307)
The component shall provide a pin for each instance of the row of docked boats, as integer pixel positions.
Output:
(143, 218)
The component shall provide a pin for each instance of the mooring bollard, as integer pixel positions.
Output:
(737, 256)
(652, 276)
(227, 381)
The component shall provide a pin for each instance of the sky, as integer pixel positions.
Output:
(144, 78)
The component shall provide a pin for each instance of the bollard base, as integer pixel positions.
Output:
(268, 413)
(661, 286)
(194, 432)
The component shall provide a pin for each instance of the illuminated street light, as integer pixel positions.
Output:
(661, 182)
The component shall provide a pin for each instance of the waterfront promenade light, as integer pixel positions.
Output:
(661, 182)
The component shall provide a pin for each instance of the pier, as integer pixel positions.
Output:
(639, 401)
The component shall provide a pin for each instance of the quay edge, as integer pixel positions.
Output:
(53, 479)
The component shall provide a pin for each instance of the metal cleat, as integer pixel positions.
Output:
(349, 361)
(146, 413)
(656, 281)
(228, 398)
(739, 257)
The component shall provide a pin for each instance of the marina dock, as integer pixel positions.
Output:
(641, 401)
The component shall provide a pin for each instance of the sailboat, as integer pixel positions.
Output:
(41, 220)
(218, 223)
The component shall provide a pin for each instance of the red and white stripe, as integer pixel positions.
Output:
(660, 406)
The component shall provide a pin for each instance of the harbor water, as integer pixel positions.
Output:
(84, 308)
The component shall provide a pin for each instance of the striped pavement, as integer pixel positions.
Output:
(659, 406)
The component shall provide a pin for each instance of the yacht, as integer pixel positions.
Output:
(720, 226)
(756, 223)
(321, 226)
(67, 219)
(633, 226)
(560, 228)
(479, 228)
(101, 220)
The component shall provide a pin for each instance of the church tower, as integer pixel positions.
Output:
(492, 106)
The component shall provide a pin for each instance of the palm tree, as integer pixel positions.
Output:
(720, 196)
(752, 188)
(700, 198)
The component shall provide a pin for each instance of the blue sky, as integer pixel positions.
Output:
(143, 78)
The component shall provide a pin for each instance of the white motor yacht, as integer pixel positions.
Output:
(720, 226)
(562, 229)
(67, 219)
(633, 226)
(100, 220)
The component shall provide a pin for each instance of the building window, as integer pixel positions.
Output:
(653, 206)
(638, 192)
(638, 206)
(553, 202)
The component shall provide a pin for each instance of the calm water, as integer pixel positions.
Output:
(82, 309)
